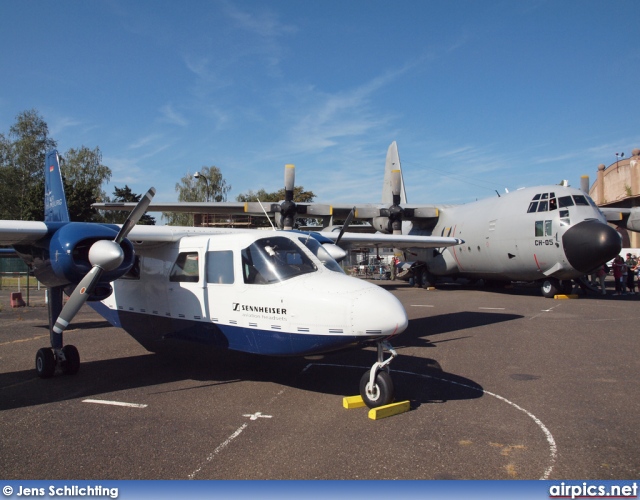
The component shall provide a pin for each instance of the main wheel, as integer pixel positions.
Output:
(427, 278)
(71, 365)
(550, 288)
(45, 363)
(382, 391)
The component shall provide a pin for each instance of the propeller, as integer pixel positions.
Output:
(104, 255)
(395, 212)
(289, 209)
(346, 225)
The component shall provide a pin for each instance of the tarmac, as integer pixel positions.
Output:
(502, 385)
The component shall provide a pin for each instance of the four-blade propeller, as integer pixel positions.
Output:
(104, 255)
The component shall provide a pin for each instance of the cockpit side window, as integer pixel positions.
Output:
(533, 206)
(185, 268)
(271, 260)
(543, 206)
(553, 204)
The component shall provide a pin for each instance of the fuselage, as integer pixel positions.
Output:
(529, 234)
(260, 292)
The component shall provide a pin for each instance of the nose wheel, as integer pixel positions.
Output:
(376, 385)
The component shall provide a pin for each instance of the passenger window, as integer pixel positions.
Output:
(220, 267)
(548, 228)
(565, 201)
(533, 206)
(185, 269)
(543, 206)
(539, 228)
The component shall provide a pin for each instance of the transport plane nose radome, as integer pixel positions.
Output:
(589, 244)
(376, 311)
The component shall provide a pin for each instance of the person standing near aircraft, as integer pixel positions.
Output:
(618, 269)
(632, 265)
(601, 274)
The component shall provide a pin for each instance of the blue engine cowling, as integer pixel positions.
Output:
(64, 260)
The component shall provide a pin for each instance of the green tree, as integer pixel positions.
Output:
(208, 186)
(22, 157)
(125, 195)
(84, 174)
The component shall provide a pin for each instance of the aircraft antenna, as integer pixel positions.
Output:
(266, 215)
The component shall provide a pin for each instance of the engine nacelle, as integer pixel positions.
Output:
(382, 224)
(66, 260)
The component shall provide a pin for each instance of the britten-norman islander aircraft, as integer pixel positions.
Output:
(277, 293)
(550, 234)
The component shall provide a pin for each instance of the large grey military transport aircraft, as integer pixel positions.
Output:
(550, 234)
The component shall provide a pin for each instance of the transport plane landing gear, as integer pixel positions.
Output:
(48, 359)
(376, 386)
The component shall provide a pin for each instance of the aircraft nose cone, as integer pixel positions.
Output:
(377, 312)
(589, 244)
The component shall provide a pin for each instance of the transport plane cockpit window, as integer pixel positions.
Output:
(271, 260)
(580, 200)
(565, 201)
(564, 217)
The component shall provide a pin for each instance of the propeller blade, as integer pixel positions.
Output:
(289, 181)
(135, 215)
(77, 299)
(288, 207)
(346, 224)
(396, 183)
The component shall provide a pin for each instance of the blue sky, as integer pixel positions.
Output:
(479, 95)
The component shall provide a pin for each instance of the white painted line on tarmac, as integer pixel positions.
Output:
(421, 305)
(492, 308)
(113, 403)
(220, 447)
(553, 448)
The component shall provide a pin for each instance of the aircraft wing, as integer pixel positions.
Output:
(221, 208)
(16, 232)
(359, 240)
(338, 211)
(623, 217)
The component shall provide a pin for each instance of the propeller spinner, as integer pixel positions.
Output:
(104, 255)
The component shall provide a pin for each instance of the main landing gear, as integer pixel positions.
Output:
(49, 359)
(376, 386)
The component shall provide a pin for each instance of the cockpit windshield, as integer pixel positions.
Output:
(318, 250)
(271, 260)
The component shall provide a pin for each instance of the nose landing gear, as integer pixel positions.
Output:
(376, 386)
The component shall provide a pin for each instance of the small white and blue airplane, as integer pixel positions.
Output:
(277, 293)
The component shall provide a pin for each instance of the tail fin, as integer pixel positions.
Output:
(392, 163)
(55, 203)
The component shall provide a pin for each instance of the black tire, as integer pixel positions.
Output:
(427, 278)
(71, 365)
(45, 363)
(383, 389)
(550, 288)
(566, 286)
